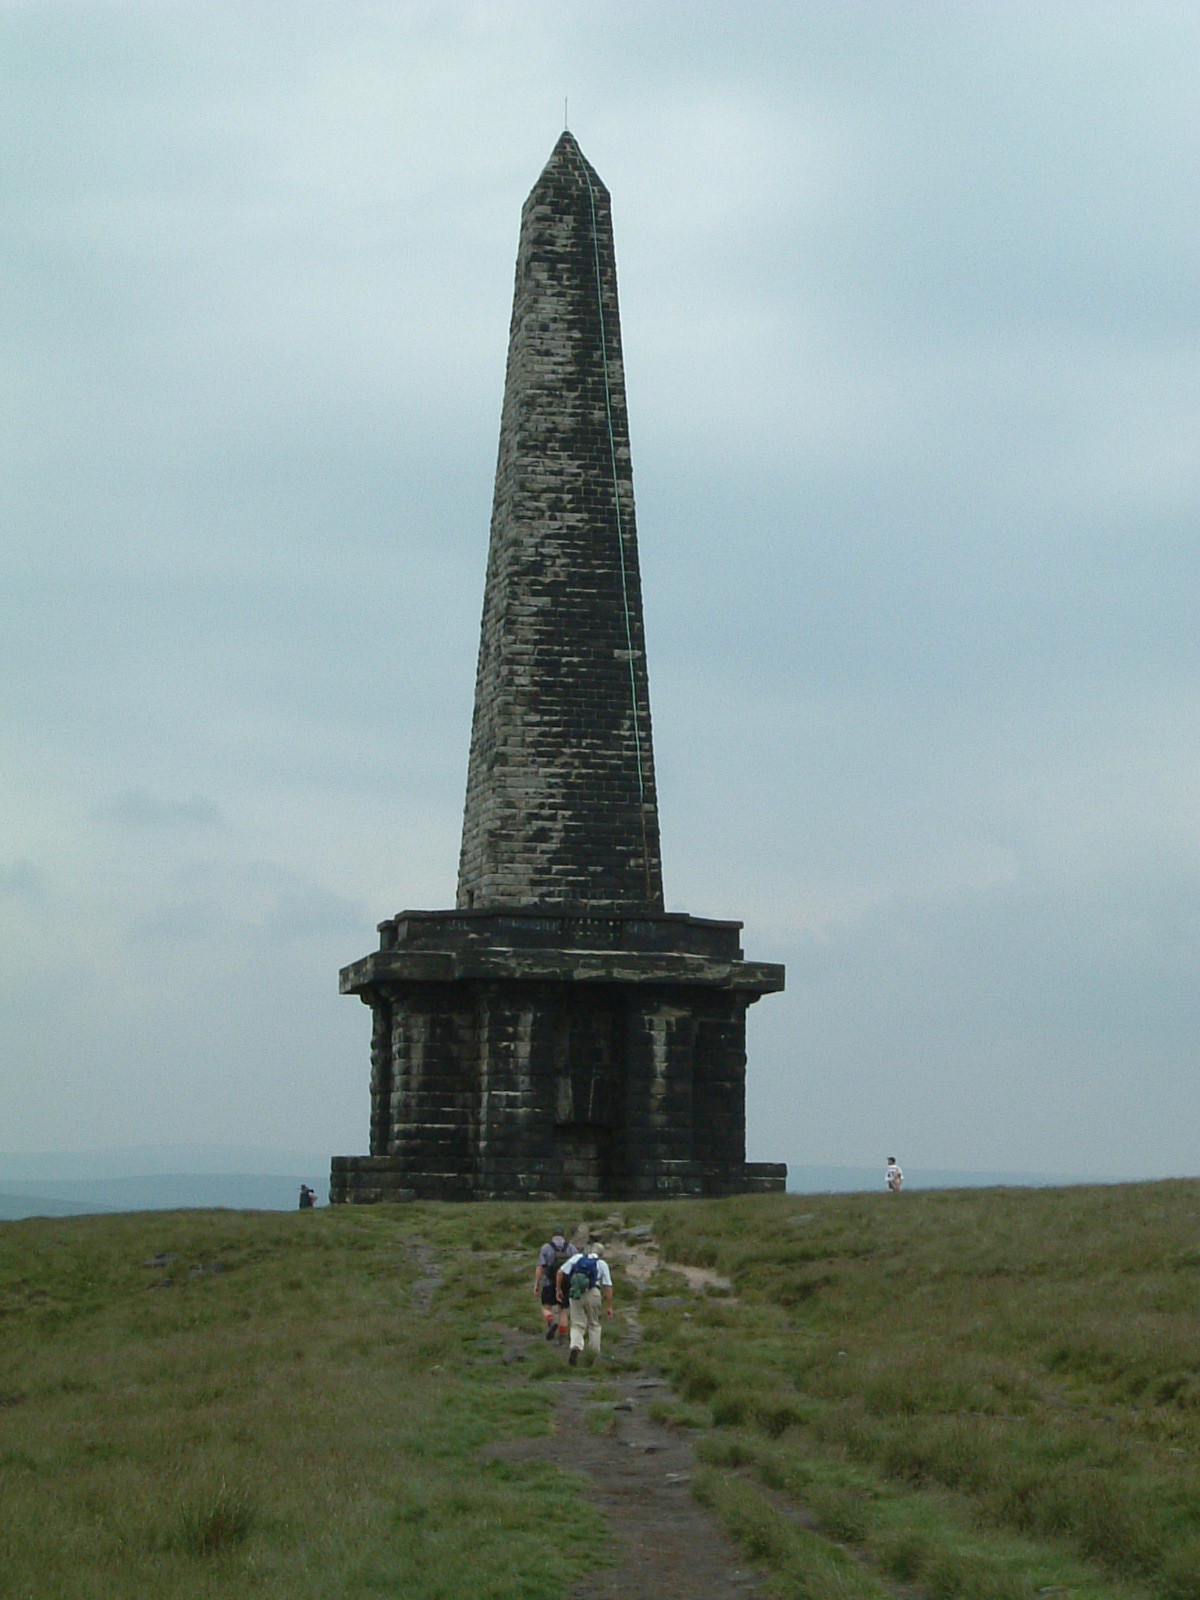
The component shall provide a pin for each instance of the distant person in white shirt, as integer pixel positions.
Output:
(895, 1178)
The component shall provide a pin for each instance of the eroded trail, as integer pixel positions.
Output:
(663, 1543)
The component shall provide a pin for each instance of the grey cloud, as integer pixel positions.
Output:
(1050, 1023)
(139, 812)
(21, 880)
(234, 904)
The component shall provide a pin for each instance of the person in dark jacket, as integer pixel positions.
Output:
(545, 1284)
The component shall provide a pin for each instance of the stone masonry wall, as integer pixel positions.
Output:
(494, 1090)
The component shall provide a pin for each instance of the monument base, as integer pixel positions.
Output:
(558, 1054)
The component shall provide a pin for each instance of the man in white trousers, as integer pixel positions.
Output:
(584, 1297)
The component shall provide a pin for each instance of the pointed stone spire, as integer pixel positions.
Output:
(561, 808)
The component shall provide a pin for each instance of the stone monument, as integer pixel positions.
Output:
(559, 1033)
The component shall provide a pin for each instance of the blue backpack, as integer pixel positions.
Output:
(585, 1271)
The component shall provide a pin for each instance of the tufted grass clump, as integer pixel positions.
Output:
(216, 1522)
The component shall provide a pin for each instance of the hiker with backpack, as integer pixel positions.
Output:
(551, 1257)
(581, 1282)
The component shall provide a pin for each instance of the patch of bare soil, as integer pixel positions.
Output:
(663, 1544)
(423, 1290)
(636, 1250)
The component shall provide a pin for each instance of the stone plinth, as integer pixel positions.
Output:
(540, 1054)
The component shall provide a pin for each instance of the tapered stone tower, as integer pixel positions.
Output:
(559, 1033)
(561, 808)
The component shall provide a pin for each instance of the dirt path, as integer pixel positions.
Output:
(424, 1289)
(665, 1546)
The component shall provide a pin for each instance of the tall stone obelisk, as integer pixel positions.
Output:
(559, 1032)
(561, 806)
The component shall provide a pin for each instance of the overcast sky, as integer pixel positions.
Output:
(910, 305)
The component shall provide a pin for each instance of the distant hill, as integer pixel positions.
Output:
(861, 1180)
(159, 1160)
(157, 1178)
(155, 1192)
(13, 1206)
(201, 1176)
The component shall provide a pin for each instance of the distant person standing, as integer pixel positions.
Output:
(308, 1197)
(895, 1178)
(581, 1283)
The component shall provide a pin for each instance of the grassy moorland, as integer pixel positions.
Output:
(305, 1421)
(982, 1394)
(990, 1394)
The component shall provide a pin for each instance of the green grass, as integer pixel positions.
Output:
(985, 1393)
(981, 1394)
(288, 1425)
